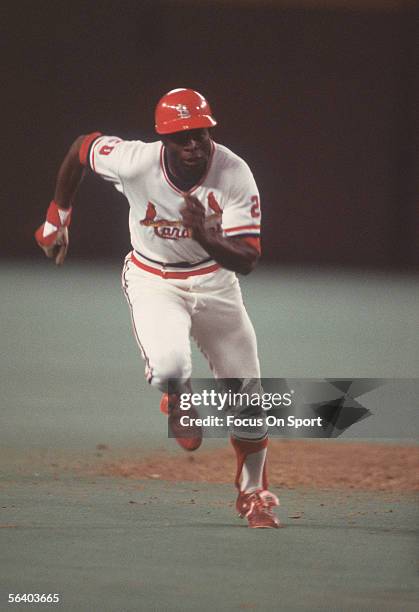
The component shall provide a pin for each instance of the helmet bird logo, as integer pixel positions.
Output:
(183, 111)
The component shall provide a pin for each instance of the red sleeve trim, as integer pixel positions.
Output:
(253, 242)
(85, 147)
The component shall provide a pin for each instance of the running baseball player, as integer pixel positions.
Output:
(194, 223)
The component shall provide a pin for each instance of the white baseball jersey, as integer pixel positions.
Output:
(228, 193)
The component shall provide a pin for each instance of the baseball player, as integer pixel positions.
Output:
(194, 222)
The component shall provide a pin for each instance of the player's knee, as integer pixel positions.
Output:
(171, 367)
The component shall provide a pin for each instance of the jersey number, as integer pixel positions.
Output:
(255, 209)
(105, 150)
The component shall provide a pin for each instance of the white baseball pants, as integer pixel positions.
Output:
(167, 312)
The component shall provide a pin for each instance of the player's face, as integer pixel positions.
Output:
(189, 151)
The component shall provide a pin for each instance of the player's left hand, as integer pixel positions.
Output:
(193, 216)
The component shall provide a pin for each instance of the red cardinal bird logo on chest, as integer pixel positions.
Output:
(213, 204)
(173, 230)
(150, 215)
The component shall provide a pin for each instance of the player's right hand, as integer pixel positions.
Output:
(58, 248)
(52, 235)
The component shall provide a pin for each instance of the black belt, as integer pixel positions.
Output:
(179, 264)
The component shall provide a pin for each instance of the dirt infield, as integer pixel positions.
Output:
(319, 465)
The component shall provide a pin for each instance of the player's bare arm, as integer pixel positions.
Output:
(69, 176)
(232, 253)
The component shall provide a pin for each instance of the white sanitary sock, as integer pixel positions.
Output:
(252, 472)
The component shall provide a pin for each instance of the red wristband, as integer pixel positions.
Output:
(60, 217)
(57, 217)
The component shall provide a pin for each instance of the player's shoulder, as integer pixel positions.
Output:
(135, 155)
(230, 164)
(226, 158)
(108, 142)
(137, 147)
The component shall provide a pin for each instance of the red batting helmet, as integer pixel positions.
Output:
(182, 109)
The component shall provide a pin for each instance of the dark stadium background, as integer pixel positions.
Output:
(320, 100)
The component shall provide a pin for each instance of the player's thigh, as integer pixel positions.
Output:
(225, 334)
(161, 324)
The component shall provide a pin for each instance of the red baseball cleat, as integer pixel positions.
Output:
(189, 437)
(257, 508)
